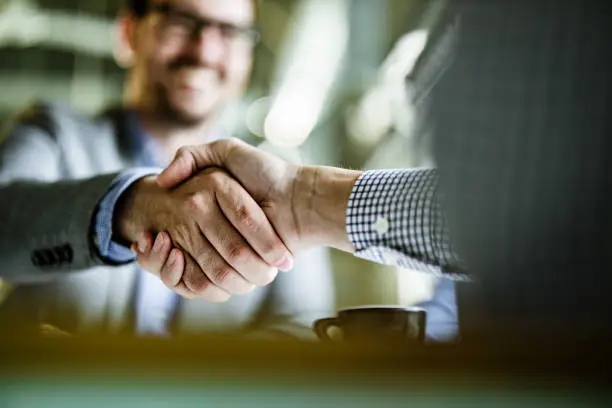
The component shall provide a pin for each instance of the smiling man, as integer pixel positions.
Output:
(190, 58)
(91, 180)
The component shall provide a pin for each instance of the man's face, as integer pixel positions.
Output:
(193, 56)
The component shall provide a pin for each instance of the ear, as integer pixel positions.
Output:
(125, 40)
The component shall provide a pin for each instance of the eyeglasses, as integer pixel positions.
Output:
(179, 24)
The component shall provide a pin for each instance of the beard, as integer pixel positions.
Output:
(178, 115)
(192, 93)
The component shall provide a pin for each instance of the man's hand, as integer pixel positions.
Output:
(159, 257)
(306, 205)
(228, 244)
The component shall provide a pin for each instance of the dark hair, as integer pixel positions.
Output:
(138, 7)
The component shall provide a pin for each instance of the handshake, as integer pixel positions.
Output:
(227, 216)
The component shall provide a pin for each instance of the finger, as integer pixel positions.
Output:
(219, 271)
(236, 253)
(154, 260)
(144, 244)
(211, 223)
(173, 271)
(182, 290)
(206, 274)
(189, 159)
(251, 222)
(170, 269)
(174, 267)
(198, 285)
(186, 162)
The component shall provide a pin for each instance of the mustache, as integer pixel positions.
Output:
(187, 62)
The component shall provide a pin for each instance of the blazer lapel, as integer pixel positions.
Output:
(124, 139)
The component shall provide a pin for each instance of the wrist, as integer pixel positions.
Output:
(322, 195)
(130, 218)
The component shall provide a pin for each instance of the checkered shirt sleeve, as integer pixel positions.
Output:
(393, 217)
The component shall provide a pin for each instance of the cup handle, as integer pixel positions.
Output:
(322, 325)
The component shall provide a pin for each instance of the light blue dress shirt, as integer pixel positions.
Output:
(442, 318)
(155, 304)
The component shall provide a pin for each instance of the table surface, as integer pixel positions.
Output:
(5, 289)
(227, 371)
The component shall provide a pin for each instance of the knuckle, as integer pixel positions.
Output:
(214, 182)
(274, 252)
(222, 274)
(182, 151)
(204, 259)
(227, 143)
(237, 252)
(194, 203)
(198, 284)
(196, 281)
(244, 216)
(226, 146)
(214, 173)
(217, 179)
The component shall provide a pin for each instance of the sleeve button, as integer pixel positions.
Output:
(381, 225)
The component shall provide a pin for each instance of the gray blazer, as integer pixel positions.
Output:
(55, 165)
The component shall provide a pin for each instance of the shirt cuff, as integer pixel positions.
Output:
(108, 249)
(393, 217)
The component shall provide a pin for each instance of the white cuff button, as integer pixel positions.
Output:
(381, 226)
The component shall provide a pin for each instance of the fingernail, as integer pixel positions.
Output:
(286, 265)
(142, 245)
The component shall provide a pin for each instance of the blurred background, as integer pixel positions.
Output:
(329, 87)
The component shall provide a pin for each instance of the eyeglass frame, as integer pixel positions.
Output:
(202, 23)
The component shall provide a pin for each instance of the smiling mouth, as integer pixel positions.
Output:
(196, 81)
(191, 88)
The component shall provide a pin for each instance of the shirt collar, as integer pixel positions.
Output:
(147, 150)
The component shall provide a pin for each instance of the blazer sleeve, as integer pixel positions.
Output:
(46, 219)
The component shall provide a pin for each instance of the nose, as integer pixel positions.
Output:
(209, 46)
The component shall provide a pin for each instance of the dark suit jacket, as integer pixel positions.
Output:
(520, 94)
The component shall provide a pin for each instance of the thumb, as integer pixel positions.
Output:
(187, 161)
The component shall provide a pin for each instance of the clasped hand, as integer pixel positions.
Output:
(216, 238)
